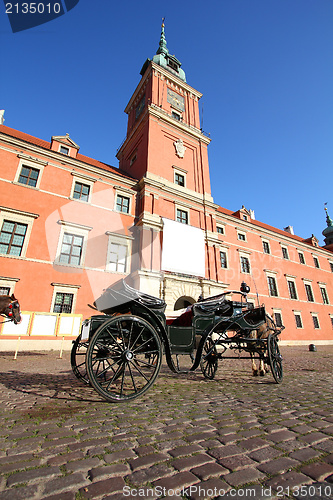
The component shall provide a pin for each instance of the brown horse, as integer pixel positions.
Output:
(262, 333)
(10, 308)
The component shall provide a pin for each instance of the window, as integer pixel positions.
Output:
(4, 290)
(245, 265)
(324, 295)
(133, 159)
(301, 258)
(298, 320)
(12, 237)
(266, 248)
(331, 320)
(292, 289)
(28, 176)
(285, 253)
(244, 217)
(331, 266)
(63, 302)
(179, 179)
(81, 191)
(316, 261)
(278, 319)
(122, 204)
(223, 258)
(71, 249)
(64, 150)
(315, 321)
(241, 236)
(220, 229)
(117, 257)
(273, 292)
(182, 216)
(309, 293)
(176, 116)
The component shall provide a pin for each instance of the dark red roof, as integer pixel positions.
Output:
(47, 145)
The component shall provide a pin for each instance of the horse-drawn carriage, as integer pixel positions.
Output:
(119, 353)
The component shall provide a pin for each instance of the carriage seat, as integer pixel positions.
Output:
(184, 319)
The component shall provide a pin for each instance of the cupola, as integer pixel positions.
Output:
(328, 231)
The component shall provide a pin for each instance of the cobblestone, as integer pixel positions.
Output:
(60, 441)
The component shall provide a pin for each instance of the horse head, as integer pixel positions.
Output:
(10, 307)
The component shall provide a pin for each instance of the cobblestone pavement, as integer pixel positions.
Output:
(235, 437)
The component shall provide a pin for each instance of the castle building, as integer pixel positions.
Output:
(70, 226)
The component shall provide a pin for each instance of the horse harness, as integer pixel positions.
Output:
(8, 312)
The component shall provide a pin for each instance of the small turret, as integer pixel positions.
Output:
(328, 231)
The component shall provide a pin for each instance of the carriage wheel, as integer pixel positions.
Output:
(123, 358)
(78, 359)
(275, 358)
(209, 358)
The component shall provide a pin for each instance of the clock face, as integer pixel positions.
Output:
(176, 100)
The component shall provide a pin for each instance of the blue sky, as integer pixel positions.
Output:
(264, 67)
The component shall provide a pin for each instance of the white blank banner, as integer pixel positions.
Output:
(183, 248)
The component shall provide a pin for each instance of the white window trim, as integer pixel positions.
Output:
(315, 257)
(302, 253)
(83, 179)
(64, 147)
(286, 248)
(183, 209)
(272, 274)
(8, 283)
(119, 240)
(127, 194)
(225, 250)
(222, 226)
(315, 315)
(20, 217)
(77, 230)
(323, 285)
(264, 240)
(243, 233)
(179, 171)
(247, 256)
(291, 278)
(30, 163)
(298, 313)
(308, 282)
(64, 288)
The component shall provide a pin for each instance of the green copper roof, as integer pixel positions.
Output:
(165, 59)
(328, 231)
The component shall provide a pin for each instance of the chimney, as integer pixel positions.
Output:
(289, 229)
(2, 112)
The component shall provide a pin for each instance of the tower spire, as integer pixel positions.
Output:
(328, 231)
(162, 48)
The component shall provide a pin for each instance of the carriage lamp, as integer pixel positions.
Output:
(244, 287)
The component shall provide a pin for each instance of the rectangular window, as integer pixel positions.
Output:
(64, 150)
(179, 179)
(324, 295)
(301, 258)
(315, 321)
(4, 290)
(266, 248)
(316, 262)
(278, 319)
(272, 286)
(81, 191)
(12, 237)
(332, 321)
(63, 303)
(223, 257)
(245, 265)
(122, 204)
(285, 253)
(71, 249)
(298, 320)
(241, 237)
(182, 216)
(331, 266)
(220, 229)
(309, 293)
(175, 115)
(28, 176)
(292, 289)
(117, 257)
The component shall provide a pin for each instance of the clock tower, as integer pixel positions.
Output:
(163, 132)
(166, 151)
